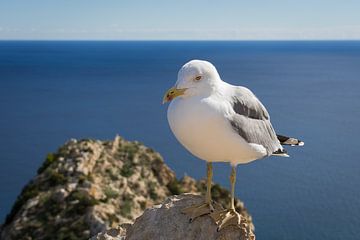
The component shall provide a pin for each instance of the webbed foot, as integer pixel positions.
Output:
(226, 218)
(202, 209)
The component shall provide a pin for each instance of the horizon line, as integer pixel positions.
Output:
(186, 40)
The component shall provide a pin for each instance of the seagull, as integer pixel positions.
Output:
(219, 122)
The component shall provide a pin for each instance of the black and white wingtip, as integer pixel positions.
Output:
(301, 143)
(290, 141)
(280, 153)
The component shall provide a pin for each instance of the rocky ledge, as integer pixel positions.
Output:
(165, 221)
(89, 186)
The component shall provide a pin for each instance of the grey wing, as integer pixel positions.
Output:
(252, 121)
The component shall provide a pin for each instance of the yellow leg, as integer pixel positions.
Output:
(208, 182)
(229, 216)
(206, 207)
(232, 182)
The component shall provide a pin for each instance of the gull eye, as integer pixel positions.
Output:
(198, 78)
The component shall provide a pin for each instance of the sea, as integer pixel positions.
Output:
(52, 91)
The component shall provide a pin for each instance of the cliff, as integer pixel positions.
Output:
(89, 186)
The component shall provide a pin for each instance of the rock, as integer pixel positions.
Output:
(111, 234)
(165, 221)
(88, 186)
(60, 195)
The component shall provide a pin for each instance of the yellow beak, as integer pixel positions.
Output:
(173, 93)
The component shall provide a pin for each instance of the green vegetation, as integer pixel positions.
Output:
(175, 187)
(50, 158)
(83, 178)
(219, 193)
(142, 205)
(43, 198)
(83, 197)
(142, 173)
(110, 193)
(111, 174)
(48, 209)
(201, 187)
(130, 149)
(127, 170)
(153, 195)
(144, 159)
(152, 191)
(125, 208)
(158, 160)
(84, 200)
(89, 150)
(56, 178)
(75, 231)
(149, 150)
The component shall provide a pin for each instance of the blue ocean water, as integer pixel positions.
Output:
(53, 91)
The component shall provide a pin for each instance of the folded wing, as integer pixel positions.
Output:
(252, 121)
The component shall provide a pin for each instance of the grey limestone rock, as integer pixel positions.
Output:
(165, 221)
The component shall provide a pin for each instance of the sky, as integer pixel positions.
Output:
(179, 20)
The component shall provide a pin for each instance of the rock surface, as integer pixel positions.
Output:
(166, 220)
(118, 233)
(89, 186)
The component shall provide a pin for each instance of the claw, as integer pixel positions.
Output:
(226, 218)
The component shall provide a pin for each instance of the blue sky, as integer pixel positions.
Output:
(185, 19)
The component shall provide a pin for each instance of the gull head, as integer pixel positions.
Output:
(195, 78)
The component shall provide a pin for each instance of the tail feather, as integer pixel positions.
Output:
(289, 141)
